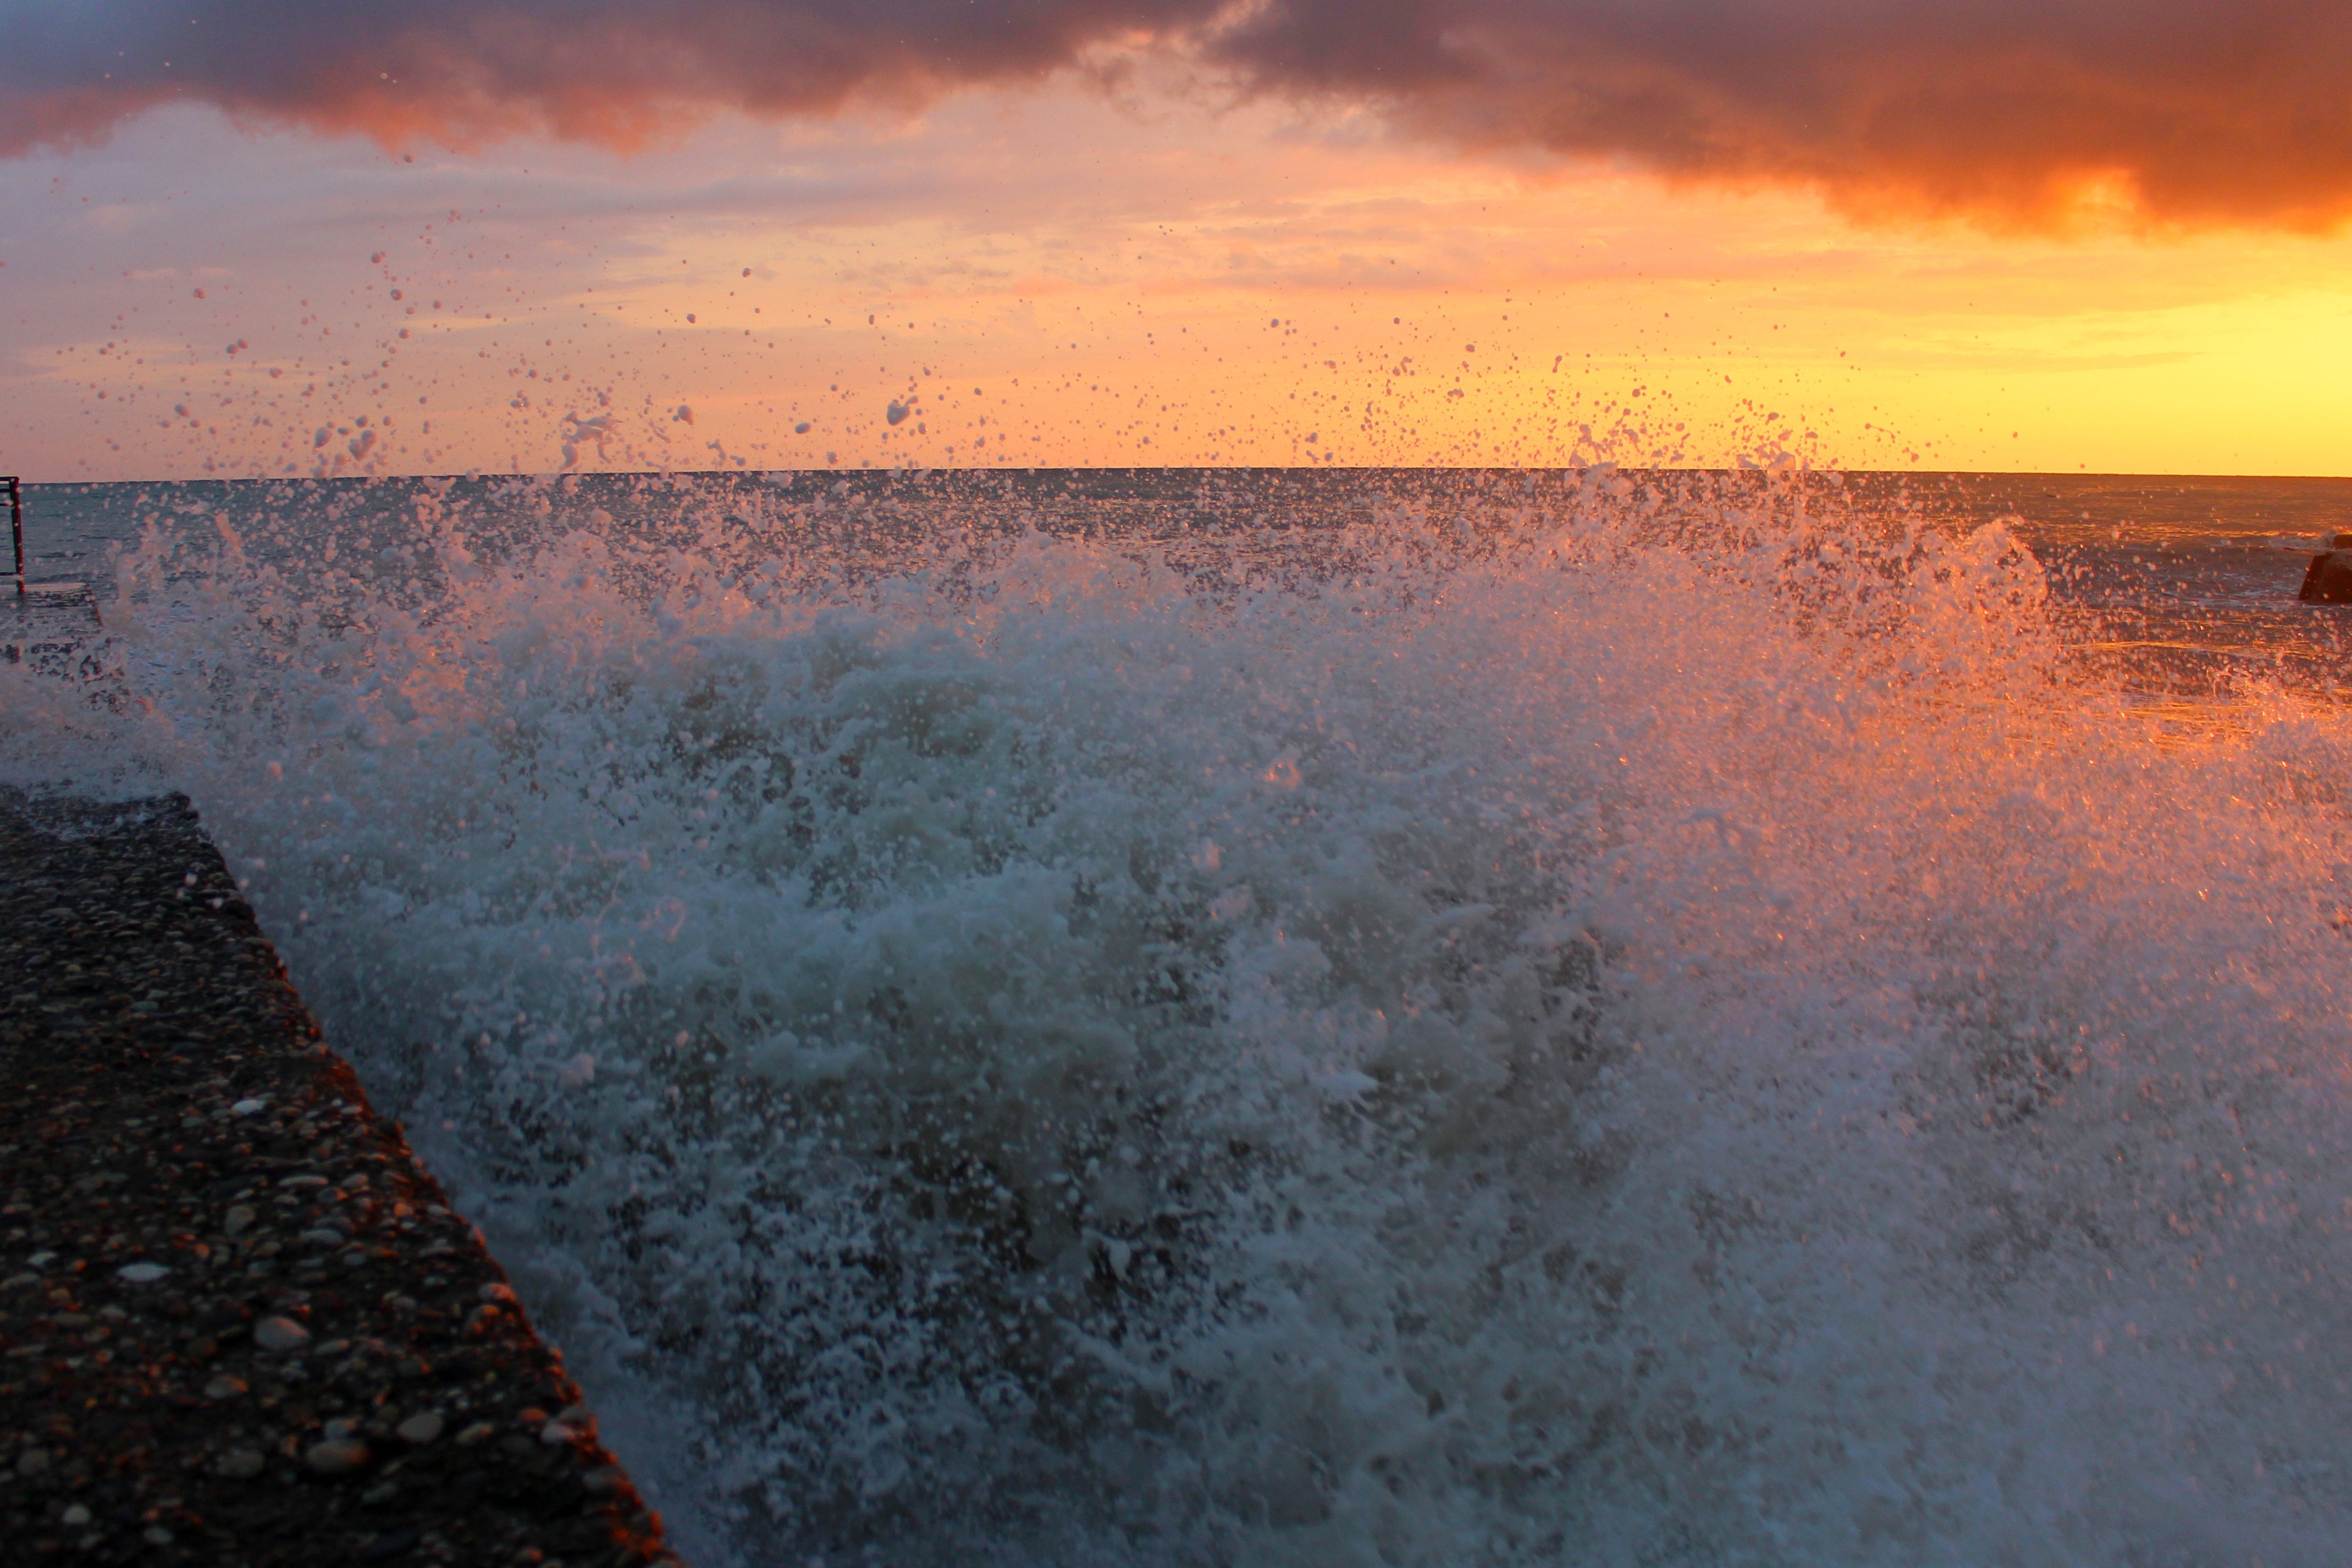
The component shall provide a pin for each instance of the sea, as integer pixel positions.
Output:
(1320, 1017)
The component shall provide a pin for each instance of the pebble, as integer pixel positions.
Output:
(141, 1273)
(249, 1108)
(420, 1428)
(242, 1465)
(74, 1514)
(480, 1431)
(337, 1457)
(225, 1387)
(280, 1334)
(392, 1544)
(237, 1221)
(570, 1423)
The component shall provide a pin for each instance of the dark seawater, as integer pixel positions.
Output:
(1311, 1018)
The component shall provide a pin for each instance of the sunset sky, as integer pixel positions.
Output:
(254, 238)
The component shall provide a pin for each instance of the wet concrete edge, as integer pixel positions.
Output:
(239, 1322)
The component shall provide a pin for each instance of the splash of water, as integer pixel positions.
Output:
(1500, 1034)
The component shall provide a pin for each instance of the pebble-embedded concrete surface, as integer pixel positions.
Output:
(238, 1323)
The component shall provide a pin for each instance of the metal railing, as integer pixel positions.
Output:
(51, 619)
(57, 590)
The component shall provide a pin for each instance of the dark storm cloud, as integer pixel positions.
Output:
(2187, 111)
(603, 70)
(2195, 111)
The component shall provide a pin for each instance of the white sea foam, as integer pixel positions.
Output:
(1528, 1044)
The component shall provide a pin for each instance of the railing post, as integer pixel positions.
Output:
(16, 526)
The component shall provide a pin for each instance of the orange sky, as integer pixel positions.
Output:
(1143, 274)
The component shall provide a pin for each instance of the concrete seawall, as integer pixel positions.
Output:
(239, 1324)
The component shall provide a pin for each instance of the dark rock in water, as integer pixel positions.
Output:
(2329, 580)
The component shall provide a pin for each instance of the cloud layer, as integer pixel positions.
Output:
(2020, 113)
